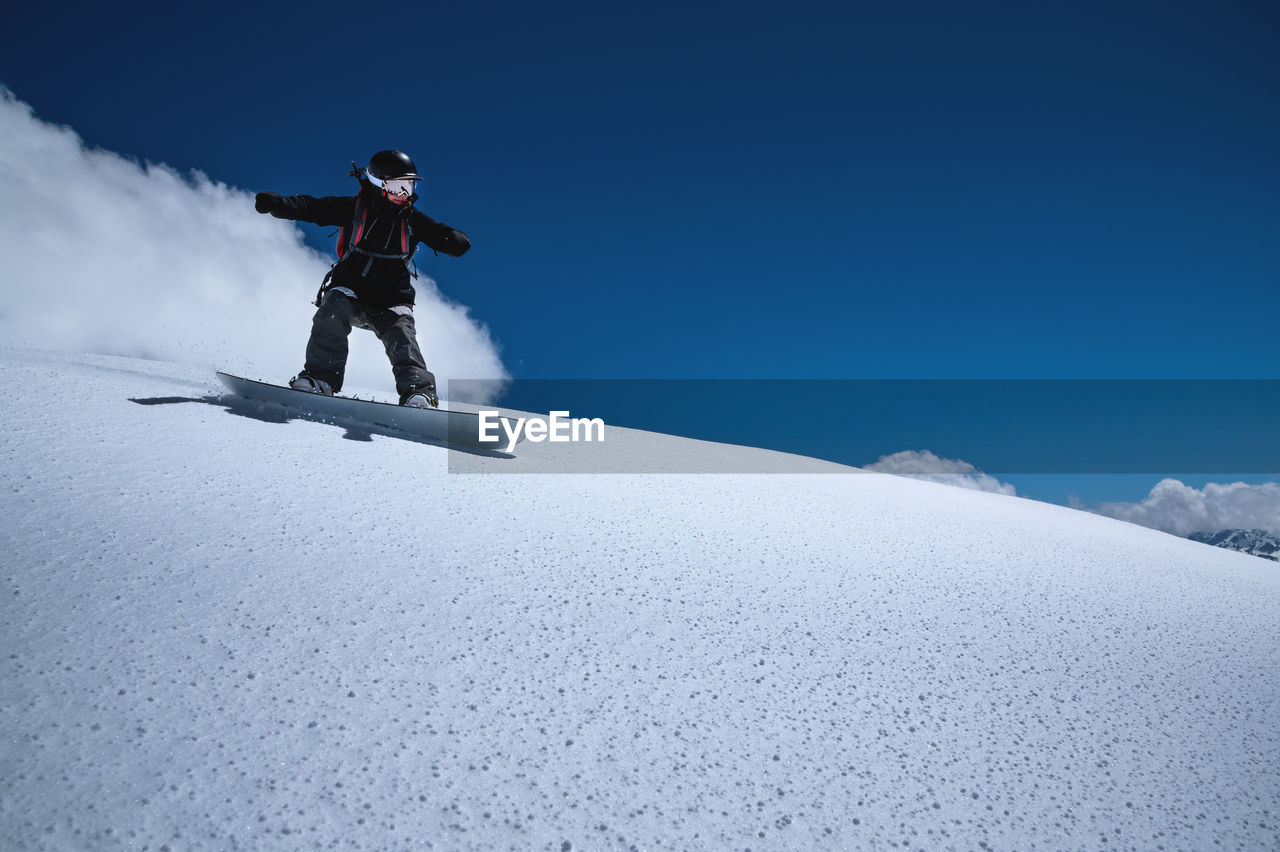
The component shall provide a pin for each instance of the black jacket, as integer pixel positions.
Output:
(377, 282)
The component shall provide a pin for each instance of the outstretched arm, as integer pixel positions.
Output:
(330, 210)
(439, 236)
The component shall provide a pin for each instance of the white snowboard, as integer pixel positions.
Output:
(460, 428)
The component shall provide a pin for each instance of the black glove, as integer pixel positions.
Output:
(461, 243)
(268, 202)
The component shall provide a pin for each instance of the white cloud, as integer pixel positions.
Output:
(923, 464)
(103, 254)
(1177, 508)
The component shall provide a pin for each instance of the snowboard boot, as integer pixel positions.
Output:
(310, 385)
(425, 398)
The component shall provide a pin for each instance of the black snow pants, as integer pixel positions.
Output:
(331, 326)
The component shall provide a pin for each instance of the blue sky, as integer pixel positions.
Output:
(747, 190)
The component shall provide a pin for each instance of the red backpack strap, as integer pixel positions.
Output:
(355, 232)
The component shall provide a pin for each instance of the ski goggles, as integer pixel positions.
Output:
(399, 186)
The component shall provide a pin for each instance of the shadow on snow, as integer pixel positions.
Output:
(266, 412)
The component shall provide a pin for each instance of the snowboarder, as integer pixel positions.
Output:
(369, 286)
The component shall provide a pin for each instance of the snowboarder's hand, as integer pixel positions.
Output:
(268, 202)
(460, 242)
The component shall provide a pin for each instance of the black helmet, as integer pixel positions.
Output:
(388, 165)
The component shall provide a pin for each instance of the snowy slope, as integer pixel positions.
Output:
(224, 632)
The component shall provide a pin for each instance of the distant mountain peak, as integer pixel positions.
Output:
(1255, 542)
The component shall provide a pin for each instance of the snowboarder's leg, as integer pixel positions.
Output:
(327, 348)
(399, 336)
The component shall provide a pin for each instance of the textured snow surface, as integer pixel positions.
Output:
(225, 631)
